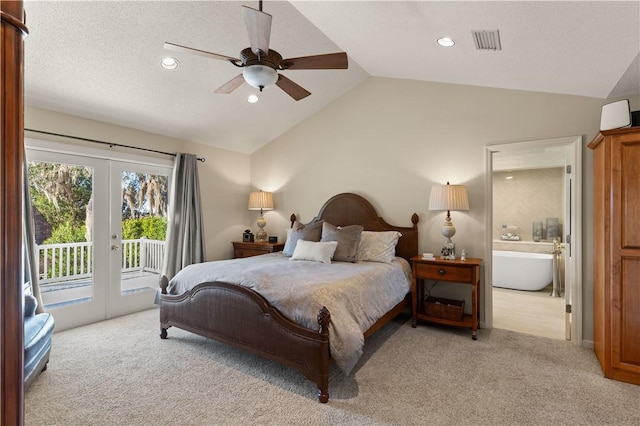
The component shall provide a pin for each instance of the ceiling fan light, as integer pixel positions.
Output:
(260, 76)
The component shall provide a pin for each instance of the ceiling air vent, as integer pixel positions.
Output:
(486, 39)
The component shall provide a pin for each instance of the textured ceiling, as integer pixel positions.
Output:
(100, 59)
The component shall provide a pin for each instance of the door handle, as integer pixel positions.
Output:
(114, 247)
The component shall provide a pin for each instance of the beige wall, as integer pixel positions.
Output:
(391, 140)
(527, 196)
(224, 177)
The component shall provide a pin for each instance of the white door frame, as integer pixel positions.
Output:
(574, 293)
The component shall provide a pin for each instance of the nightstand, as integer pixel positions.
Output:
(446, 272)
(241, 249)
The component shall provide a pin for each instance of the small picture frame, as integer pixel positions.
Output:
(273, 240)
(448, 251)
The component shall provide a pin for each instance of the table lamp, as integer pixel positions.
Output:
(261, 200)
(448, 197)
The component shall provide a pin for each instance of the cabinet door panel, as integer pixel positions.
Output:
(627, 318)
(630, 193)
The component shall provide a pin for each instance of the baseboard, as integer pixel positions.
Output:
(587, 344)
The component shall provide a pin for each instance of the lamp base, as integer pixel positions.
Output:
(448, 251)
(261, 236)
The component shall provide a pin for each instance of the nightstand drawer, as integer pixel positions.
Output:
(242, 252)
(444, 273)
(242, 249)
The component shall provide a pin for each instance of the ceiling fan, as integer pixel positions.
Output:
(261, 64)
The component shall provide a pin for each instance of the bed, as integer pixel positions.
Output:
(240, 316)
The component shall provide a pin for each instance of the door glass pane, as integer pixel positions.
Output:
(144, 228)
(62, 200)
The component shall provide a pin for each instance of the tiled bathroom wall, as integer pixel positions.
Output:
(521, 197)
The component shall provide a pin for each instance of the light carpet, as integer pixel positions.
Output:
(119, 372)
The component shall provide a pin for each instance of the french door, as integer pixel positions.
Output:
(100, 228)
(138, 224)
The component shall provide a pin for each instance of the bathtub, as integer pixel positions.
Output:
(522, 271)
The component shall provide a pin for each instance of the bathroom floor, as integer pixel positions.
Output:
(530, 312)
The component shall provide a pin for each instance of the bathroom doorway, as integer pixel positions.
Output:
(534, 221)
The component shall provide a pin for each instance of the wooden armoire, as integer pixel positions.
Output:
(12, 31)
(616, 256)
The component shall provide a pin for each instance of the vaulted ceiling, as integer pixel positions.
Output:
(101, 59)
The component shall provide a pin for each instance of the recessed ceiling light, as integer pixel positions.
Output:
(252, 99)
(446, 42)
(169, 63)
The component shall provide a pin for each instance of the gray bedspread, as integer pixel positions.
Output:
(356, 294)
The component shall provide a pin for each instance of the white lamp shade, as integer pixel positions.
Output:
(261, 200)
(260, 76)
(448, 197)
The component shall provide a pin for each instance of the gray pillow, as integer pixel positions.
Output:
(347, 237)
(301, 232)
(30, 305)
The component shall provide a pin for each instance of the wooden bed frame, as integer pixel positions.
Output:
(223, 311)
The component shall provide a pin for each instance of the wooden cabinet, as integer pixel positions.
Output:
(446, 271)
(241, 249)
(616, 253)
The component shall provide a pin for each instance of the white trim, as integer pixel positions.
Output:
(575, 143)
(85, 151)
(488, 248)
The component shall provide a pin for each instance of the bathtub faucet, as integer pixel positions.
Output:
(556, 248)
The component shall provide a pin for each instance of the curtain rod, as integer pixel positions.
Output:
(111, 144)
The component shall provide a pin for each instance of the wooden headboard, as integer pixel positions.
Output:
(352, 209)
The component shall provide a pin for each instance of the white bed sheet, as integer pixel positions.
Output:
(356, 294)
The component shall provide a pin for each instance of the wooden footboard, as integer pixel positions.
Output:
(222, 311)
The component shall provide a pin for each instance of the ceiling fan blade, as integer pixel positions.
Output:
(230, 85)
(259, 29)
(292, 89)
(178, 48)
(329, 61)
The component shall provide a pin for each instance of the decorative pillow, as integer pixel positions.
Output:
(30, 305)
(347, 237)
(315, 251)
(301, 232)
(378, 246)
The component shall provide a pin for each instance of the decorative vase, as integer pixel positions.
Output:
(537, 231)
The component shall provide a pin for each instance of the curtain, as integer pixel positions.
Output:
(185, 234)
(31, 284)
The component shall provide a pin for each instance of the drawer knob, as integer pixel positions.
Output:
(442, 272)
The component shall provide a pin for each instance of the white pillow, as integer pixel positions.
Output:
(315, 251)
(377, 246)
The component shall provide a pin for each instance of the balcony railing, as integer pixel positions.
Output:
(74, 261)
